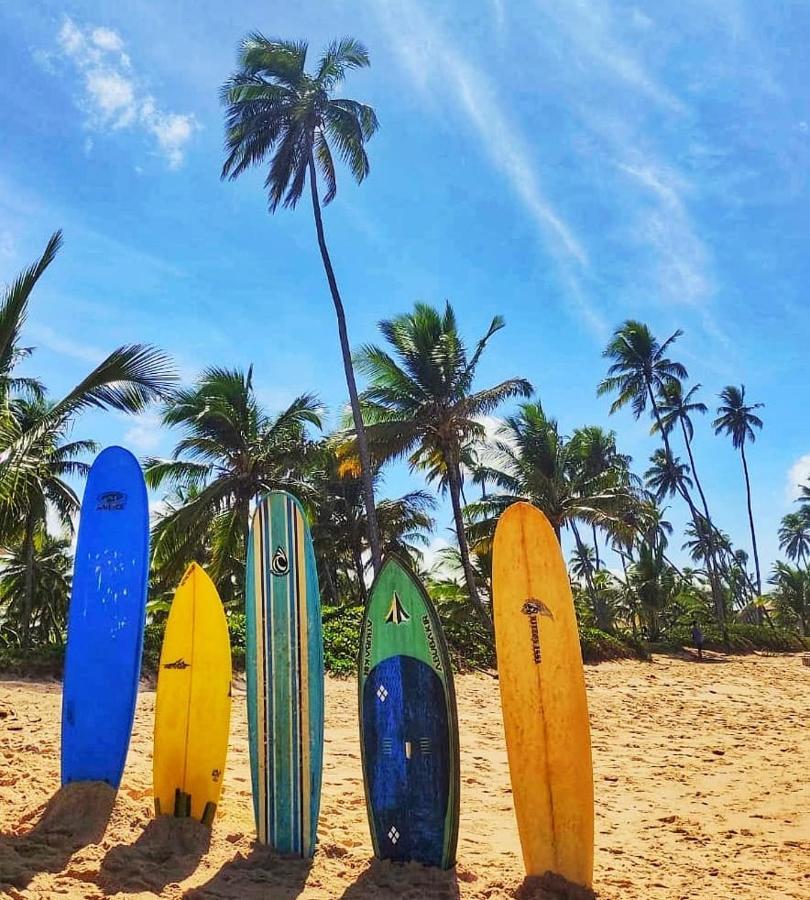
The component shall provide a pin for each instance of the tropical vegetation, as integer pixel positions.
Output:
(482, 444)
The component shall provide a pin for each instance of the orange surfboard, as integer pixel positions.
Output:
(545, 709)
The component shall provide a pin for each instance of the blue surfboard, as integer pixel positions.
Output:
(408, 724)
(106, 620)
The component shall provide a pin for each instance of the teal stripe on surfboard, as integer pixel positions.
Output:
(284, 663)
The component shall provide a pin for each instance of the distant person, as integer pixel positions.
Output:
(697, 638)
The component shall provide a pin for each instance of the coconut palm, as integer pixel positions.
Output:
(666, 476)
(43, 614)
(339, 526)
(281, 114)
(231, 451)
(48, 461)
(128, 380)
(599, 457)
(794, 535)
(654, 583)
(421, 401)
(677, 409)
(737, 419)
(534, 462)
(792, 593)
(640, 373)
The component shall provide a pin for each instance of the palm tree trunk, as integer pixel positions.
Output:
(719, 606)
(28, 588)
(357, 558)
(596, 547)
(454, 483)
(751, 518)
(699, 486)
(692, 466)
(351, 384)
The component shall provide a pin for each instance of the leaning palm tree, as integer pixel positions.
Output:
(231, 451)
(666, 476)
(640, 374)
(128, 380)
(737, 419)
(421, 403)
(50, 460)
(677, 409)
(794, 535)
(281, 114)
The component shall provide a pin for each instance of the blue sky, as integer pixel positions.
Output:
(566, 164)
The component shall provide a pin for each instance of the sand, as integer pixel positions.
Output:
(702, 790)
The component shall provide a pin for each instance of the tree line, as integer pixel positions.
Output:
(421, 402)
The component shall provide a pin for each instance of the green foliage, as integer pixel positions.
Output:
(742, 638)
(341, 638)
(599, 646)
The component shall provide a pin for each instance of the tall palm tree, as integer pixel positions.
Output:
(639, 374)
(677, 409)
(666, 476)
(278, 112)
(231, 451)
(794, 536)
(421, 403)
(737, 419)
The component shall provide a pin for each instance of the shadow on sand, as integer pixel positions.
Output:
(552, 887)
(259, 876)
(168, 850)
(74, 817)
(389, 879)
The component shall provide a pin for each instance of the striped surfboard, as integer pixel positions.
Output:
(284, 663)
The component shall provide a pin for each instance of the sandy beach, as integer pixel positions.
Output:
(701, 791)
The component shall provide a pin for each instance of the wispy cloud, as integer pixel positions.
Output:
(45, 336)
(433, 61)
(144, 434)
(589, 26)
(682, 261)
(113, 97)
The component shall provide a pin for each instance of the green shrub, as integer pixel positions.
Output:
(341, 638)
(38, 662)
(742, 638)
(599, 646)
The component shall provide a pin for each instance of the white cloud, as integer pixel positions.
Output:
(681, 257)
(797, 476)
(45, 336)
(113, 97)
(144, 434)
(107, 39)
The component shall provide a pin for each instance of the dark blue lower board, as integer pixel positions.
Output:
(406, 740)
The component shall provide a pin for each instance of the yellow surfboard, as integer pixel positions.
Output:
(193, 704)
(545, 709)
